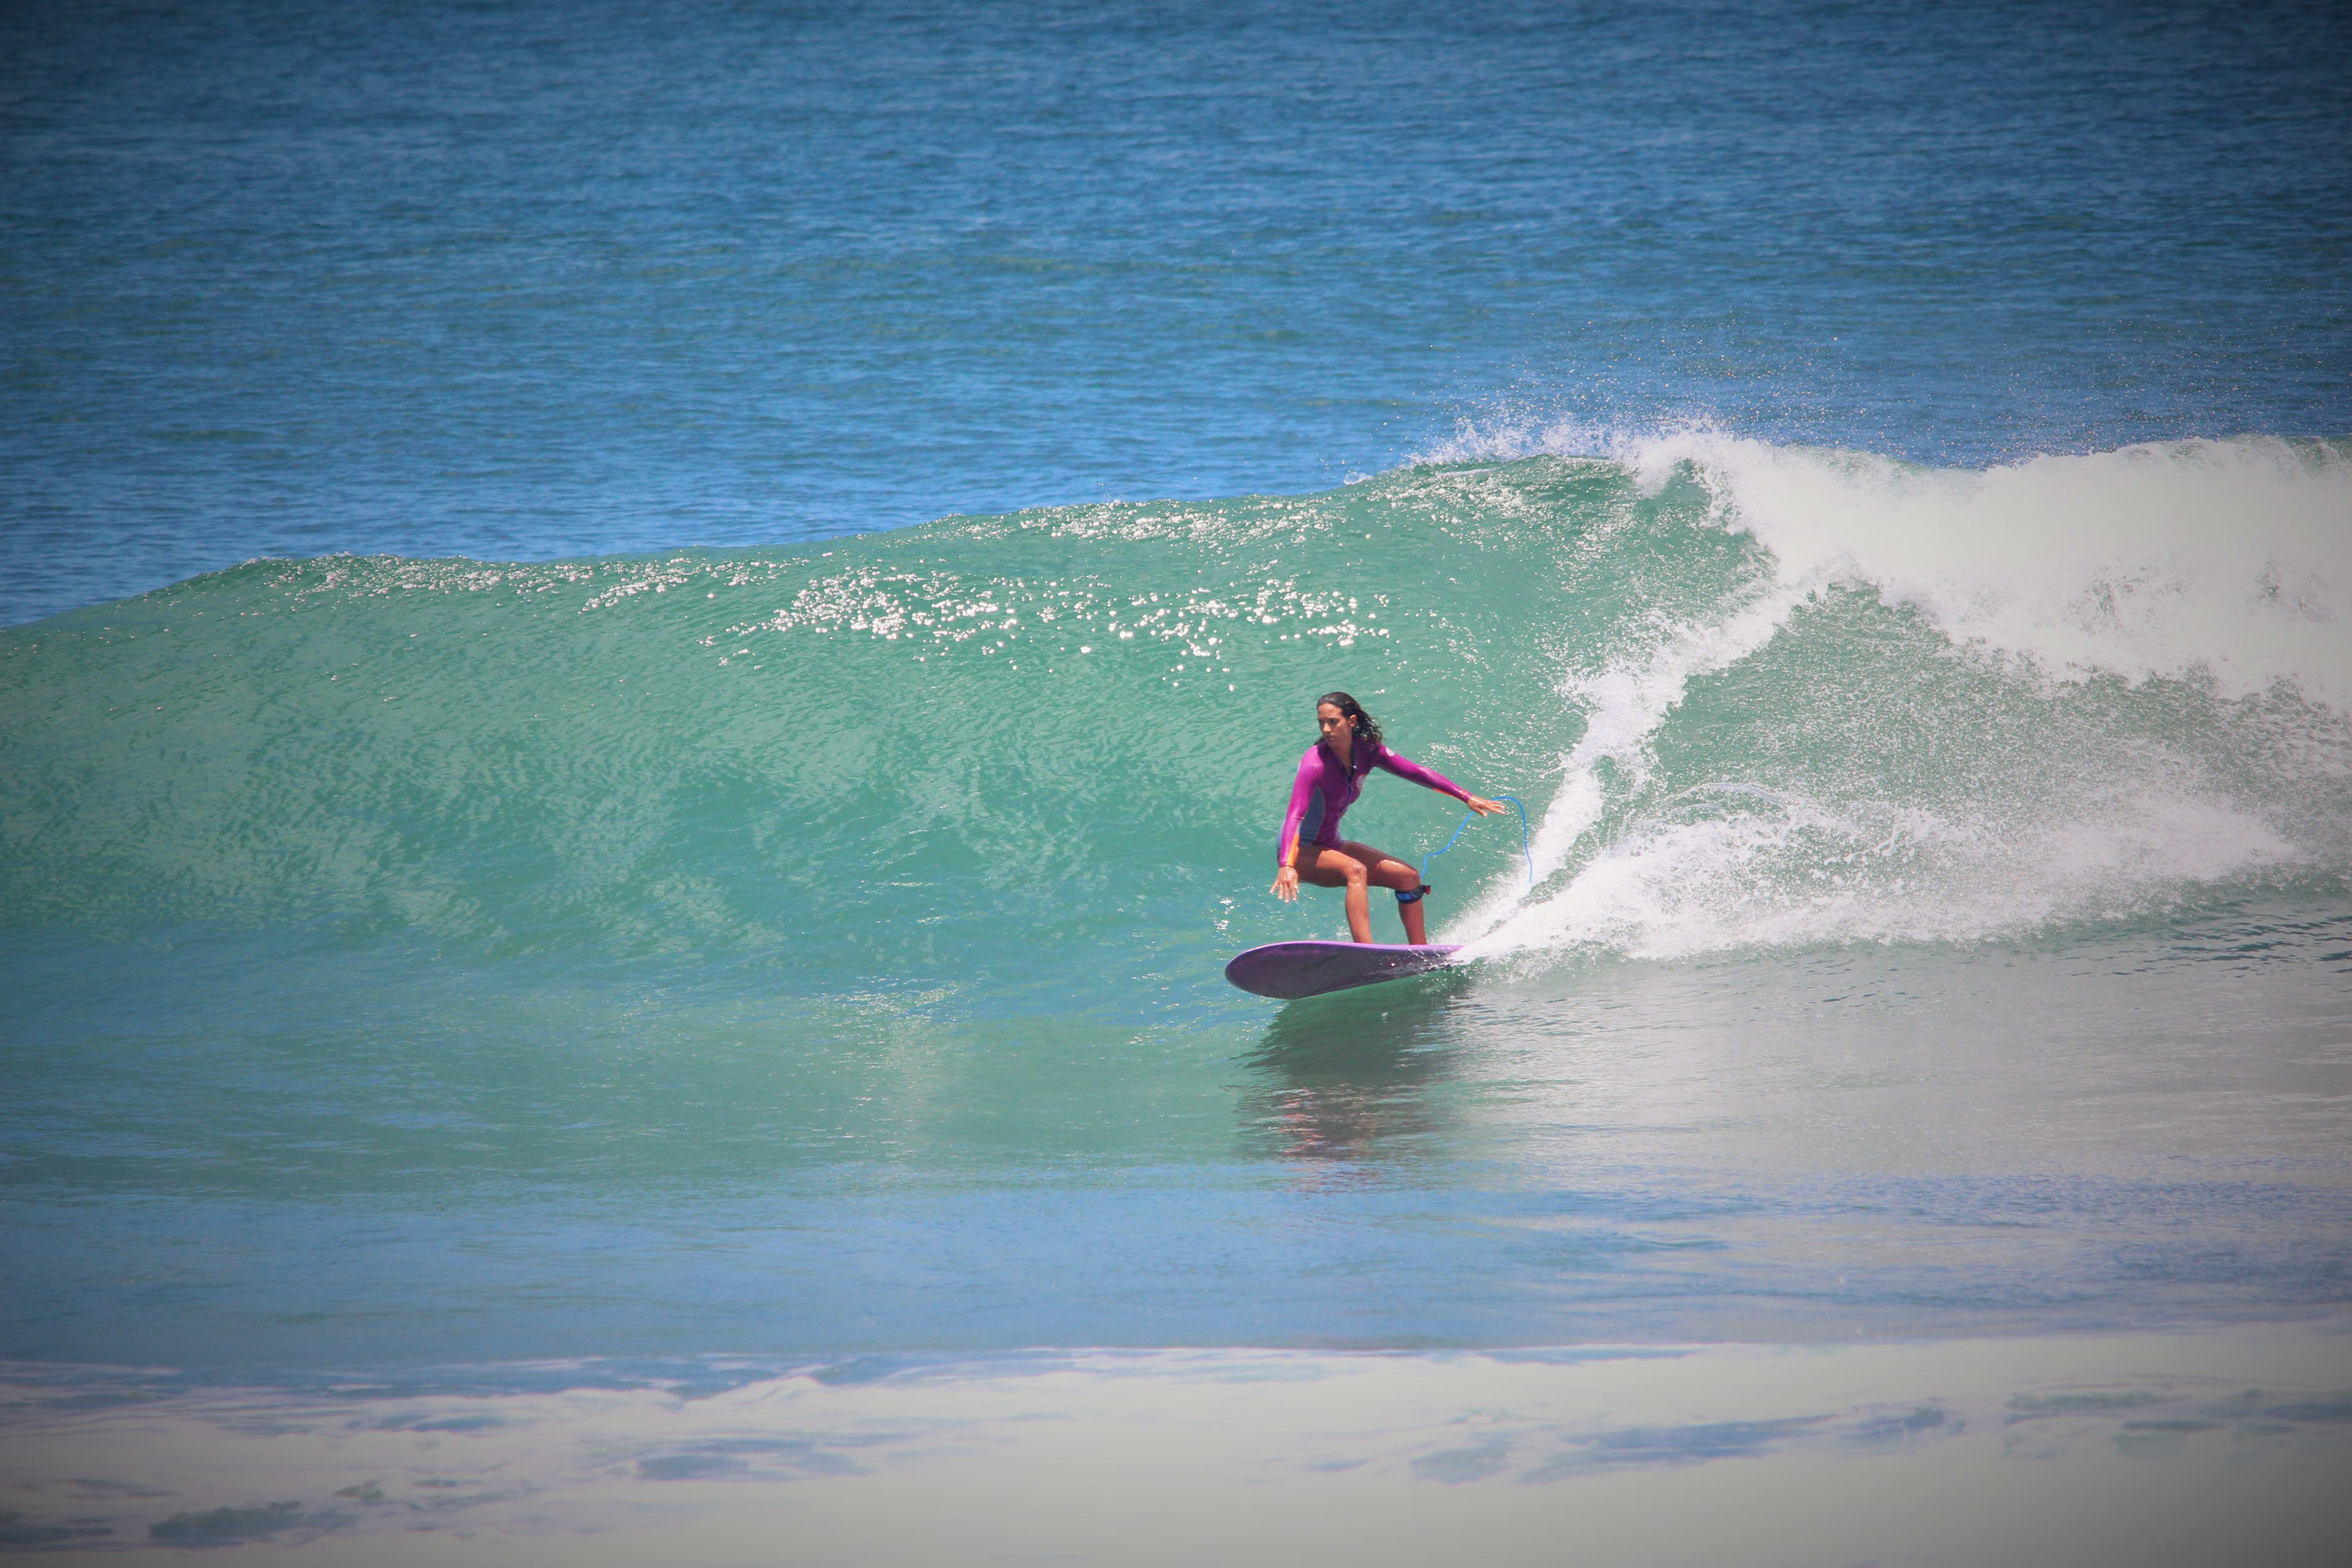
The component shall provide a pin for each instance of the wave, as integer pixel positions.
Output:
(1760, 696)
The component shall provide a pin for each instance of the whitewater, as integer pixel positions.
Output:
(2095, 594)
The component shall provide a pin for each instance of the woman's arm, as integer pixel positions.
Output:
(1404, 767)
(1429, 778)
(1286, 858)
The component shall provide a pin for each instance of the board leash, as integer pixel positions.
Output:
(1525, 847)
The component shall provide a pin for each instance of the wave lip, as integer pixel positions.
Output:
(2228, 555)
(2229, 558)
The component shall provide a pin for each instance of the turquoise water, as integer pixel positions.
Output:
(819, 951)
(652, 659)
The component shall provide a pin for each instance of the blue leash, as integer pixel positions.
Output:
(1524, 847)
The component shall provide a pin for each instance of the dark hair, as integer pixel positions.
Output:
(1366, 727)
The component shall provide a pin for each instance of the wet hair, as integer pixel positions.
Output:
(1366, 727)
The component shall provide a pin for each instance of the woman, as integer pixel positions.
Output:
(1330, 778)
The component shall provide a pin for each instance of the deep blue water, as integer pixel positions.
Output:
(521, 280)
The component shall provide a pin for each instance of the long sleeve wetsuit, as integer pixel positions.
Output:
(1326, 788)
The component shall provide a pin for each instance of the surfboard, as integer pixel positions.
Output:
(1289, 970)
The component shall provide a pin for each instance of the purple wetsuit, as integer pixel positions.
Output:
(1326, 788)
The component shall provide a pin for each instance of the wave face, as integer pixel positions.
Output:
(1759, 695)
(833, 936)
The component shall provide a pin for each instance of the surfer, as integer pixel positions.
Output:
(1331, 777)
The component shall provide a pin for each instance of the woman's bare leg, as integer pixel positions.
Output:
(1360, 868)
(1385, 871)
(1337, 868)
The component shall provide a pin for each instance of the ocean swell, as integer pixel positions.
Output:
(1756, 695)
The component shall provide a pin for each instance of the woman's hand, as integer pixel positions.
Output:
(1483, 806)
(1285, 884)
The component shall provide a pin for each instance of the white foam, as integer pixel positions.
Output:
(2227, 558)
(2226, 563)
(2232, 557)
(1797, 874)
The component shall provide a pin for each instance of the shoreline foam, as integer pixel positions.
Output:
(2149, 1448)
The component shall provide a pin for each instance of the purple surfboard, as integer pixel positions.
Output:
(1289, 970)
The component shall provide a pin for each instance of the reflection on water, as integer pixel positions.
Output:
(1357, 1076)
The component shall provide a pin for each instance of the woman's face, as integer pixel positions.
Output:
(1335, 724)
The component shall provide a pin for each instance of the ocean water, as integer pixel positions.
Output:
(654, 658)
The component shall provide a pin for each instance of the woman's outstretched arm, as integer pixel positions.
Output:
(1404, 767)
